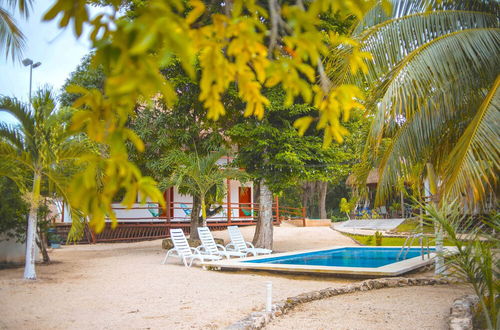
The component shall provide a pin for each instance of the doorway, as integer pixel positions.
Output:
(245, 201)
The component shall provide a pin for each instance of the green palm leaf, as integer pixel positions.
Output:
(406, 8)
(474, 162)
(12, 40)
(465, 58)
(434, 61)
(393, 40)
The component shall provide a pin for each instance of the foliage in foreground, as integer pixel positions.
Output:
(234, 43)
(477, 258)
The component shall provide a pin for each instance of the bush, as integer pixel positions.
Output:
(378, 238)
(338, 216)
(13, 211)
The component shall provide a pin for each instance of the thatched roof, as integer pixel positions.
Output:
(371, 179)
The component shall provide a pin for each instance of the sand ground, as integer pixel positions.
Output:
(425, 307)
(123, 285)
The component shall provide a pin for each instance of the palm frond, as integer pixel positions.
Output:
(465, 58)
(12, 40)
(20, 111)
(23, 7)
(420, 136)
(391, 42)
(401, 8)
(473, 164)
(11, 135)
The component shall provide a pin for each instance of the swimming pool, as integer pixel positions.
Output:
(345, 257)
(357, 261)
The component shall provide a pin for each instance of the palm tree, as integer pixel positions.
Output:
(39, 151)
(12, 40)
(204, 179)
(433, 89)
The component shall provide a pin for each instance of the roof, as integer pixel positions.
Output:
(372, 178)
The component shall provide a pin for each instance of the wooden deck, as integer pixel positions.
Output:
(149, 228)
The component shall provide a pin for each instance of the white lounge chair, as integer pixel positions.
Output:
(183, 251)
(209, 246)
(238, 243)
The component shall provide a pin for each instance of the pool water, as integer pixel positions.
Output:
(345, 257)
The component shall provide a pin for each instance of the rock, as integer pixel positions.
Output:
(461, 313)
(167, 243)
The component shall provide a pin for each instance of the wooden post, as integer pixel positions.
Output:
(304, 216)
(62, 213)
(92, 236)
(402, 205)
(169, 206)
(276, 200)
(228, 201)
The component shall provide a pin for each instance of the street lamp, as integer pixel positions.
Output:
(26, 62)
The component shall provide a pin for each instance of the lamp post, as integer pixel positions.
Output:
(26, 62)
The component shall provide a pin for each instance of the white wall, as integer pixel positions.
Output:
(138, 213)
(179, 214)
(12, 251)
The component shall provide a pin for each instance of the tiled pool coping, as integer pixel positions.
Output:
(393, 269)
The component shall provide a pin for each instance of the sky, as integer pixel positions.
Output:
(58, 50)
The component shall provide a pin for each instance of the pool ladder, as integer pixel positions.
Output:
(406, 248)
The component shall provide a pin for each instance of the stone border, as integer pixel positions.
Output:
(462, 312)
(258, 320)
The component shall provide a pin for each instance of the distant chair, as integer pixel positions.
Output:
(238, 243)
(183, 251)
(246, 212)
(187, 211)
(209, 246)
(153, 209)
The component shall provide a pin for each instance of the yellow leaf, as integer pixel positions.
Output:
(302, 124)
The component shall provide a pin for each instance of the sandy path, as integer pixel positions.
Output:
(426, 307)
(123, 285)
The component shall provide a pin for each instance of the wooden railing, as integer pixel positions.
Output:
(159, 222)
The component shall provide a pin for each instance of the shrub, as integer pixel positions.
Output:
(476, 260)
(338, 216)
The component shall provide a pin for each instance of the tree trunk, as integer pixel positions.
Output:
(256, 199)
(256, 192)
(195, 218)
(439, 265)
(29, 267)
(42, 245)
(203, 212)
(263, 237)
(306, 191)
(312, 203)
(323, 188)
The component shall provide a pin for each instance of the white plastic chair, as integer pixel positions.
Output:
(209, 246)
(238, 243)
(183, 251)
